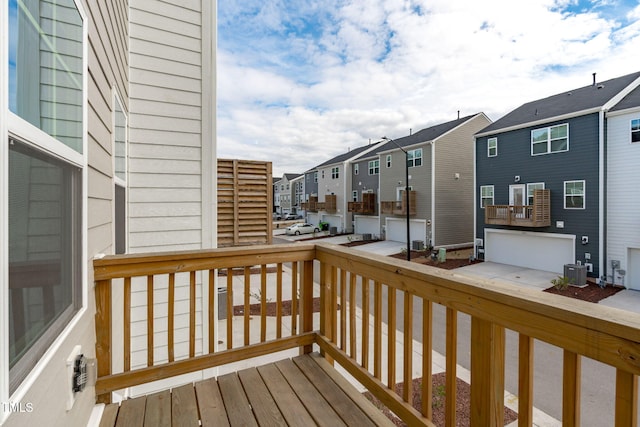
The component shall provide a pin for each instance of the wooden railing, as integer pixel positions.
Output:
(399, 207)
(536, 215)
(352, 333)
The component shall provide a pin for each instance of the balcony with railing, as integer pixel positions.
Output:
(398, 207)
(366, 207)
(311, 205)
(330, 204)
(536, 215)
(154, 320)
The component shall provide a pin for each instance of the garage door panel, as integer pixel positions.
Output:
(530, 250)
(367, 225)
(397, 230)
(633, 267)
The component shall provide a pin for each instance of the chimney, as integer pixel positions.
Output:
(594, 79)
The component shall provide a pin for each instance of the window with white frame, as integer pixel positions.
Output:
(335, 173)
(635, 130)
(414, 157)
(388, 160)
(492, 147)
(552, 139)
(486, 196)
(356, 169)
(315, 177)
(45, 160)
(531, 188)
(574, 194)
(374, 167)
(120, 179)
(322, 173)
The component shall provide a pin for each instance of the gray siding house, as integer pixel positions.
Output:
(540, 180)
(440, 181)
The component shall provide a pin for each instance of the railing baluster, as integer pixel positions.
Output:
(229, 308)
(427, 358)
(150, 320)
(263, 303)
(127, 324)
(103, 332)
(279, 301)
(333, 313)
(343, 310)
(525, 380)
(294, 298)
(352, 316)
(365, 323)
(451, 362)
(192, 314)
(391, 337)
(571, 388)
(408, 347)
(377, 329)
(170, 316)
(247, 309)
(306, 297)
(214, 298)
(626, 398)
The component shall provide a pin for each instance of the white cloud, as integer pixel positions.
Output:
(298, 84)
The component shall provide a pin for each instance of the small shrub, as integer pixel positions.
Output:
(561, 283)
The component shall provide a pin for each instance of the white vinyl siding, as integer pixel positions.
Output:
(635, 130)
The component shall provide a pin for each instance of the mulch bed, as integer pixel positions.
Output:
(590, 293)
(254, 309)
(449, 264)
(438, 402)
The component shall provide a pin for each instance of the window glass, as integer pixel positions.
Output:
(388, 160)
(492, 147)
(44, 253)
(574, 194)
(552, 139)
(486, 196)
(374, 167)
(531, 188)
(356, 169)
(414, 157)
(635, 130)
(45, 67)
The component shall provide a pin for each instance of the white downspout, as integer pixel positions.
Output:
(433, 193)
(601, 201)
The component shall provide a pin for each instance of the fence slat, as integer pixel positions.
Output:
(192, 314)
(229, 308)
(408, 347)
(150, 320)
(626, 398)
(391, 337)
(452, 360)
(213, 299)
(103, 332)
(263, 303)
(247, 309)
(525, 380)
(171, 317)
(427, 358)
(127, 324)
(571, 388)
(377, 329)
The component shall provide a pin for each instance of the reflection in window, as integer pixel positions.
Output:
(44, 253)
(45, 67)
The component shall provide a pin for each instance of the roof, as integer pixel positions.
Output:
(632, 100)
(346, 156)
(290, 176)
(428, 134)
(572, 101)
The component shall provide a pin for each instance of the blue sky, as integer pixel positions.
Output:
(302, 81)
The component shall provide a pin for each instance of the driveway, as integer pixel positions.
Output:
(535, 279)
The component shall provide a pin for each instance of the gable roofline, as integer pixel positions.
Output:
(345, 158)
(595, 97)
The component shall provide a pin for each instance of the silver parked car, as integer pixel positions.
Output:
(301, 228)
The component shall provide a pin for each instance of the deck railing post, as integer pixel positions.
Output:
(306, 302)
(487, 373)
(103, 333)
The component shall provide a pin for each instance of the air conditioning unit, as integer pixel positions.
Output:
(366, 236)
(577, 274)
(417, 245)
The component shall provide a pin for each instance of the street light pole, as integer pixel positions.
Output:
(406, 193)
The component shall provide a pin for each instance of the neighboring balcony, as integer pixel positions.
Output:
(536, 215)
(329, 205)
(367, 206)
(311, 205)
(399, 207)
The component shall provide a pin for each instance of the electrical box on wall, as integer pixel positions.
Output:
(78, 367)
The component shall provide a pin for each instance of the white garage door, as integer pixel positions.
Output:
(540, 251)
(367, 225)
(312, 218)
(633, 267)
(397, 230)
(334, 221)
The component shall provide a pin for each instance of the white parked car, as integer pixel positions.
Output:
(301, 228)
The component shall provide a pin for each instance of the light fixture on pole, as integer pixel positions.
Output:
(406, 193)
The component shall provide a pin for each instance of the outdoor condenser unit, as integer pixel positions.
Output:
(577, 274)
(417, 245)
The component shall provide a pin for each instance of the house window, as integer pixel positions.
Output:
(486, 196)
(574, 192)
(335, 173)
(388, 160)
(120, 179)
(553, 139)
(414, 157)
(322, 174)
(374, 167)
(287, 186)
(354, 196)
(281, 187)
(531, 188)
(356, 169)
(44, 179)
(492, 147)
(315, 177)
(635, 130)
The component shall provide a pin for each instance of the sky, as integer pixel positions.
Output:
(300, 82)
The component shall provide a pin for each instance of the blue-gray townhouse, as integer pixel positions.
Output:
(540, 180)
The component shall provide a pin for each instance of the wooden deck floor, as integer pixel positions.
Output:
(302, 391)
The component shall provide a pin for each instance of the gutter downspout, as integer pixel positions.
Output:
(433, 193)
(601, 201)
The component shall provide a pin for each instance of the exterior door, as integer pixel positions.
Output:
(517, 195)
